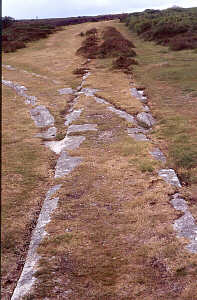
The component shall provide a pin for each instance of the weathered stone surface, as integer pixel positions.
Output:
(138, 130)
(68, 143)
(30, 100)
(139, 137)
(49, 134)
(41, 76)
(134, 93)
(36, 75)
(146, 108)
(129, 118)
(72, 116)
(88, 92)
(85, 76)
(76, 99)
(138, 134)
(66, 91)
(20, 90)
(100, 100)
(185, 225)
(80, 128)
(144, 100)
(79, 88)
(169, 176)
(42, 116)
(157, 154)
(179, 203)
(27, 279)
(8, 67)
(66, 164)
(192, 246)
(145, 119)
(139, 95)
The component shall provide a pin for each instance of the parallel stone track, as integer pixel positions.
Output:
(143, 122)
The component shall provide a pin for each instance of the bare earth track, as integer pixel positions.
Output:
(94, 210)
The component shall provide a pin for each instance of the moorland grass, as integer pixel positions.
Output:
(175, 27)
(170, 81)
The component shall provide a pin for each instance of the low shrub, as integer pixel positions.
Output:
(124, 62)
(89, 47)
(116, 46)
(19, 33)
(92, 31)
(88, 52)
(80, 71)
(181, 43)
(90, 41)
(111, 32)
(12, 46)
(7, 21)
(174, 27)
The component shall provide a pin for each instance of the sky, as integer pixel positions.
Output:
(30, 9)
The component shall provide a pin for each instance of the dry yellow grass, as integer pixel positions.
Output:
(26, 174)
(111, 236)
(114, 87)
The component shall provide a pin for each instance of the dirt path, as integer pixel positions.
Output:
(105, 228)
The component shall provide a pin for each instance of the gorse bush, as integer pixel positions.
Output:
(91, 31)
(176, 27)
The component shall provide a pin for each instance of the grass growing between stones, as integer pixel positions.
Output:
(28, 167)
(111, 236)
(25, 177)
(119, 94)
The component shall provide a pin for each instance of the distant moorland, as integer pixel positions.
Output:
(17, 33)
(174, 27)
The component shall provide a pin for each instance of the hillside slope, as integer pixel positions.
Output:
(175, 27)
